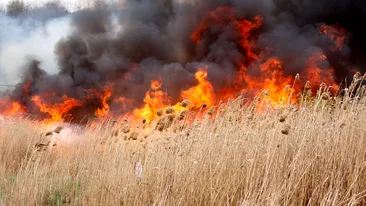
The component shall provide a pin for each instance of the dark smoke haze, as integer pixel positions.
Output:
(150, 39)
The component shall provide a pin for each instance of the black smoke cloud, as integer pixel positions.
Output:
(151, 39)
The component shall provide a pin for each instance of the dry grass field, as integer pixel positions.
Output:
(313, 154)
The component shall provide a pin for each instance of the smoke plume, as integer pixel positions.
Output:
(123, 47)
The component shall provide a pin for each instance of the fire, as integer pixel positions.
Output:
(124, 104)
(104, 109)
(202, 93)
(270, 77)
(220, 16)
(226, 16)
(11, 108)
(335, 33)
(56, 111)
(154, 100)
(317, 75)
(26, 87)
(245, 28)
(256, 71)
(16, 107)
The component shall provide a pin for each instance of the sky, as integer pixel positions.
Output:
(70, 4)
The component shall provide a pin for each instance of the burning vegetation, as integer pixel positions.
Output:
(133, 74)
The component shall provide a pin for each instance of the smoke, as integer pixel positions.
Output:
(27, 37)
(125, 47)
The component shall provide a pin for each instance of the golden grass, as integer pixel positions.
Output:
(312, 155)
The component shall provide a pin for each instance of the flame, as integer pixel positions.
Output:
(219, 16)
(317, 75)
(202, 93)
(245, 28)
(26, 87)
(154, 100)
(257, 71)
(226, 16)
(124, 103)
(104, 109)
(56, 111)
(16, 107)
(335, 33)
(11, 108)
(267, 76)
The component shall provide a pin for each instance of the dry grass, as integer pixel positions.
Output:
(231, 157)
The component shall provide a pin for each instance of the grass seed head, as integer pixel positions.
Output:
(211, 110)
(307, 85)
(325, 96)
(134, 135)
(182, 115)
(286, 130)
(283, 118)
(169, 110)
(309, 93)
(126, 129)
(58, 129)
(115, 133)
(356, 76)
(159, 112)
(185, 103)
(48, 134)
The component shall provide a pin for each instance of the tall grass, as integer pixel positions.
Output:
(233, 156)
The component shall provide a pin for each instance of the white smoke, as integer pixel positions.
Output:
(22, 38)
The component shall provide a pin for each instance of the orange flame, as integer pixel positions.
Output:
(245, 28)
(257, 73)
(270, 77)
(202, 93)
(11, 108)
(335, 33)
(219, 16)
(104, 109)
(154, 100)
(55, 111)
(226, 16)
(317, 75)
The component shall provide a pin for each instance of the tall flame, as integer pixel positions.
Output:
(317, 75)
(202, 93)
(154, 100)
(104, 109)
